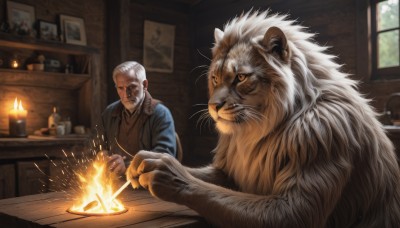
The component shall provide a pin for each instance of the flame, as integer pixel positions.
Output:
(14, 64)
(97, 197)
(16, 106)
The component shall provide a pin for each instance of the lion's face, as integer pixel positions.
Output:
(244, 85)
(237, 89)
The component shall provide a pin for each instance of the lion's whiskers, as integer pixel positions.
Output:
(206, 67)
(203, 55)
(204, 117)
(201, 110)
(253, 113)
(203, 73)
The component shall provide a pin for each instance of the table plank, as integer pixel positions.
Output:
(49, 210)
(185, 219)
(131, 217)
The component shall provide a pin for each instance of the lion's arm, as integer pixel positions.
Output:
(212, 175)
(227, 208)
(307, 203)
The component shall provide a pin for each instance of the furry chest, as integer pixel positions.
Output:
(256, 179)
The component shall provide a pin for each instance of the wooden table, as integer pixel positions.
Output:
(49, 210)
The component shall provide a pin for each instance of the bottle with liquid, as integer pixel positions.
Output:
(54, 118)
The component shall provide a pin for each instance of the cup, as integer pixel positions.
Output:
(60, 129)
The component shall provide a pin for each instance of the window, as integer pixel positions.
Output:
(385, 39)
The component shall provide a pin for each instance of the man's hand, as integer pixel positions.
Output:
(116, 164)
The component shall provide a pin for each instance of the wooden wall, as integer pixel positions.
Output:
(116, 29)
(39, 101)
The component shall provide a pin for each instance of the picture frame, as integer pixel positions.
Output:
(158, 45)
(48, 30)
(73, 30)
(21, 18)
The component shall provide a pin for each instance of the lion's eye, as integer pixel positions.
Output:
(242, 77)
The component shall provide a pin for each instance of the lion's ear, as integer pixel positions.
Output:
(218, 34)
(275, 43)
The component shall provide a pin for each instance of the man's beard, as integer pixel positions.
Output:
(132, 105)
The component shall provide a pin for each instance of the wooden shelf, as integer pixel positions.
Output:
(42, 79)
(25, 42)
(37, 141)
(32, 148)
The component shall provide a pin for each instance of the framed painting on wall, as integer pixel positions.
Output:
(158, 45)
(48, 30)
(21, 18)
(73, 29)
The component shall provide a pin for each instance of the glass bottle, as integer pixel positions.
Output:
(54, 118)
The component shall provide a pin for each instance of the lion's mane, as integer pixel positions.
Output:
(318, 144)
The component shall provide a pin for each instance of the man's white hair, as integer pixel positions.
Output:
(125, 67)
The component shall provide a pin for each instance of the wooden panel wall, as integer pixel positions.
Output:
(116, 28)
(39, 101)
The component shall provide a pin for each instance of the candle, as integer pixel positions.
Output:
(17, 120)
(14, 64)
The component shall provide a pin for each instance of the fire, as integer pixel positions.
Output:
(16, 106)
(97, 197)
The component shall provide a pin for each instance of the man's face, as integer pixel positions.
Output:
(130, 90)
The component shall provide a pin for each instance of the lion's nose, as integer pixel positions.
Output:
(219, 106)
(218, 98)
(216, 106)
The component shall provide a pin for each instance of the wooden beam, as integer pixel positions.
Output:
(118, 23)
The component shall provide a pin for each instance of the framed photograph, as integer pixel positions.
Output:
(73, 29)
(158, 44)
(21, 18)
(48, 31)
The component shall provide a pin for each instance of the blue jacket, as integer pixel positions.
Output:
(158, 131)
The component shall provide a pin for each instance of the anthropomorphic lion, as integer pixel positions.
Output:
(298, 145)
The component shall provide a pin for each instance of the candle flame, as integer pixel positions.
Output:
(14, 64)
(18, 106)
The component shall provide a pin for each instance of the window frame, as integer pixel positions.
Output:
(387, 73)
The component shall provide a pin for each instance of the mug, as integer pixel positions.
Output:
(60, 129)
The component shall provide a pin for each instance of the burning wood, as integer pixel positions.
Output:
(98, 197)
(95, 203)
(101, 202)
(90, 205)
